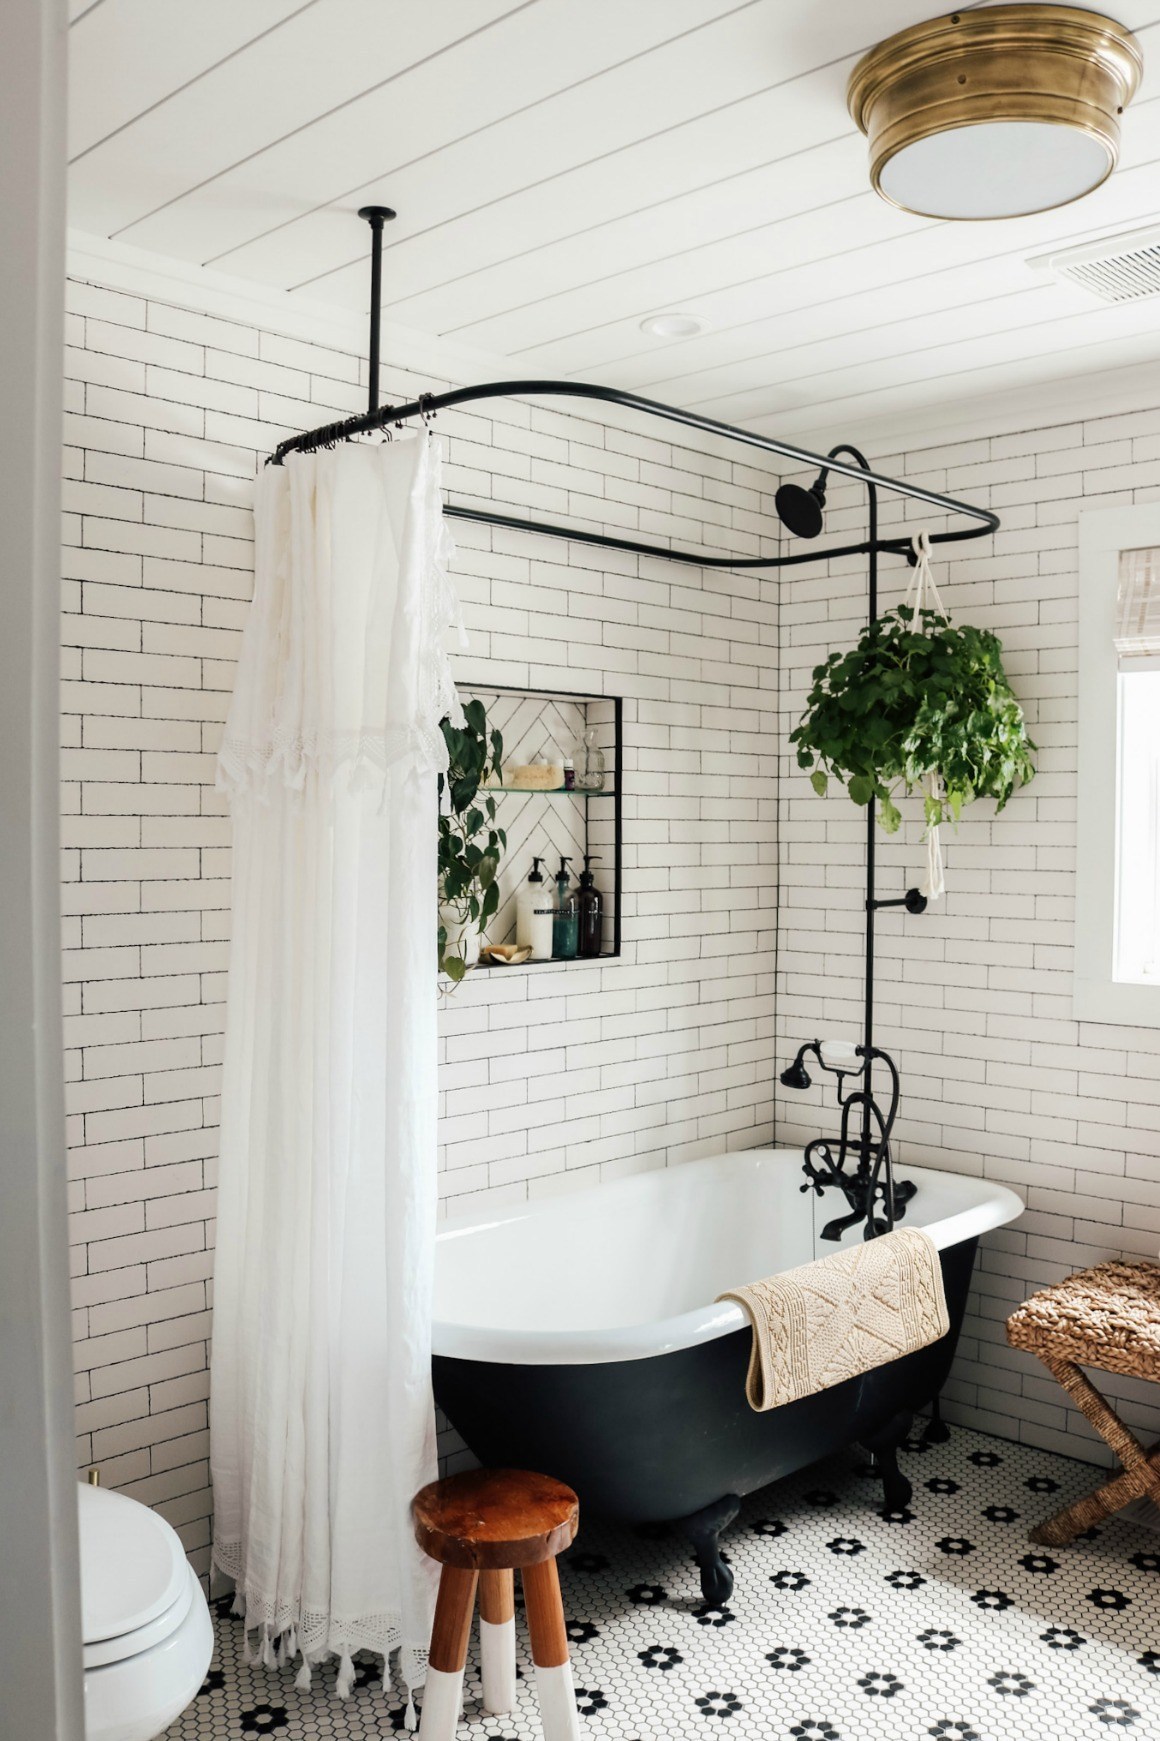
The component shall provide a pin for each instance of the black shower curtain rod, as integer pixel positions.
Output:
(428, 404)
(383, 417)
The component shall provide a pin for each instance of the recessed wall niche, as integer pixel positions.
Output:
(540, 725)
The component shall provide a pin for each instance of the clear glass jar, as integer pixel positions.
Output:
(590, 767)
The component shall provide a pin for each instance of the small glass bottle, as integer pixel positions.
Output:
(590, 764)
(566, 919)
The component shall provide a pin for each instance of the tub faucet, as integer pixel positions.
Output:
(868, 1185)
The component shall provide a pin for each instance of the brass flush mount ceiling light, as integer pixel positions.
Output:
(995, 113)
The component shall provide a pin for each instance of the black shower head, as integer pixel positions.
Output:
(800, 511)
(796, 1075)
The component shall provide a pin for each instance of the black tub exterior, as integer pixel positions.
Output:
(667, 1436)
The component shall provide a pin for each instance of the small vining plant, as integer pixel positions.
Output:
(917, 697)
(470, 844)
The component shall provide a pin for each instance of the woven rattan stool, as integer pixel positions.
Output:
(1107, 1317)
(482, 1526)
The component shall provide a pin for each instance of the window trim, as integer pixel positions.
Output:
(1097, 996)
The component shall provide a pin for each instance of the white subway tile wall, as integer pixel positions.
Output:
(974, 998)
(549, 1078)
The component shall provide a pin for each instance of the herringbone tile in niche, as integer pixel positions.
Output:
(842, 1626)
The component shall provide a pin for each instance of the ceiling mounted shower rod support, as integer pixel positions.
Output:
(376, 217)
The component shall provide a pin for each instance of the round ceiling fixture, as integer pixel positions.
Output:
(673, 326)
(995, 113)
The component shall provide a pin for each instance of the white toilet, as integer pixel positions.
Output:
(147, 1632)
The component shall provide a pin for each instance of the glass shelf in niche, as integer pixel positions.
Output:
(482, 966)
(551, 791)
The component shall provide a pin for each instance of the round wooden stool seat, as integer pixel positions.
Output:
(482, 1527)
(495, 1519)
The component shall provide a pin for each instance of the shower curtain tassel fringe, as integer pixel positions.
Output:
(345, 1679)
(303, 1678)
(410, 1720)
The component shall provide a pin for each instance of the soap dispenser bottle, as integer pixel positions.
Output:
(566, 923)
(535, 915)
(591, 904)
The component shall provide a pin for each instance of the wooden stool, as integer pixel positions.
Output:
(481, 1527)
(1107, 1317)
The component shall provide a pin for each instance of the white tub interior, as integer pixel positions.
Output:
(630, 1269)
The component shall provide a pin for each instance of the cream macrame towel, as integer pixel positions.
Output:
(841, 1315)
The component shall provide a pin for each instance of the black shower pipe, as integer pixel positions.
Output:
(912, 900)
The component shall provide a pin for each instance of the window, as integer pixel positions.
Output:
(1118, 889)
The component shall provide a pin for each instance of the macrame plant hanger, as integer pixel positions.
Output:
(923, 595)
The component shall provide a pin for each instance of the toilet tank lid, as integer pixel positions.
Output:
(133, 1566)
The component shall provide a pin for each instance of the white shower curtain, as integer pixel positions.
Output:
(320, 1404)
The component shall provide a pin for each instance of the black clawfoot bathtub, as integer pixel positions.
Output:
(578, 1335)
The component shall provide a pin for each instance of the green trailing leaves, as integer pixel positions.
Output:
(470, 843)
(916, 697)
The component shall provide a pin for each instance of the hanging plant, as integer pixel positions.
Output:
(470, 844)
(919, 704)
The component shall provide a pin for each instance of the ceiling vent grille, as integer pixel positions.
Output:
(1116, 268)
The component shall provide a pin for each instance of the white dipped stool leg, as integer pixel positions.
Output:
(497, 1641)
(443, 1693)
(558, 1716)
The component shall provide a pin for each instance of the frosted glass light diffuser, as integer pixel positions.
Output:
(997, 112)
(995, 169)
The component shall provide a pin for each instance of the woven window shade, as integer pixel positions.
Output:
(1138, 606)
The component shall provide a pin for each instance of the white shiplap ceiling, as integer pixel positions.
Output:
(563, 168)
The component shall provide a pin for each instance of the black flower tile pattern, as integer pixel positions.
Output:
(841, 1625)
(938, 1638)
(768, 1526)
(789, 1657)
(662, 1656)
(713, 1614)
(718, 1704)
(1063, 1638)
(850, 1617)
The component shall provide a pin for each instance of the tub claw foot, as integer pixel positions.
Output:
(896, 1489)
(936, 1431)
(703, 1529)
